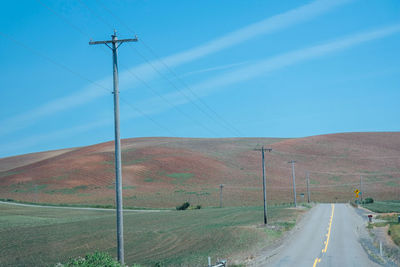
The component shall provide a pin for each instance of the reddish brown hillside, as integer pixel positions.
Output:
(18, 161)
(163, 172)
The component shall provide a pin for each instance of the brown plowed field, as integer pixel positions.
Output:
(164, 172)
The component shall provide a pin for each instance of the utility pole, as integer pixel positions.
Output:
(361, 190)
(264, 181)
(220, 195)
(294, 182)
(308, 187)
(115, 43)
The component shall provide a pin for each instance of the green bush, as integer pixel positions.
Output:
(184, 206)
(368, 200)
(96, 259)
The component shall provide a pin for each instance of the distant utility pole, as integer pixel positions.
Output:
(294, 182)
(308, 187)
(361, 190)
(220, 195)
(115, 43)
(264, 181)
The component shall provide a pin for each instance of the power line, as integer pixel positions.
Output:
(227, 125)
(103, 49)
(37, 53)
(336, 157)
(182, 92)
(340, 173)
(171, 104)
(147, 116)
(326, 185)
(98, 16)
(62, 18)
(173, 85)
(197, 122)
(62, 66)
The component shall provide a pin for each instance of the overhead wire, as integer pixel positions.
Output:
(197, 97)
(336, 173)
(170, 103)
(335, 157)
(175, 107)
(227, 125)
(325, 185)
(78, 29)
(62, 18)
(137, 109)
(64, 67)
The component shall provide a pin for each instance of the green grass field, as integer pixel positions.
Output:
(33, 236)
(391, 219)
(384, 206)
(394, 227)
(394, 231)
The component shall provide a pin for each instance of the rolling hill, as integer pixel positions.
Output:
(164, 172)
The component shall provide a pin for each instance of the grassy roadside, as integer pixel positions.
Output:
(394, 226)
(40, 237)
(392, 210)
(383, 206)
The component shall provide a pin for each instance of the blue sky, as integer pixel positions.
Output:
(200, 69)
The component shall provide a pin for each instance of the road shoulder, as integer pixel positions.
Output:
(262, 257)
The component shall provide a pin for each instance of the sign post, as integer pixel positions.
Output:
(357, 192)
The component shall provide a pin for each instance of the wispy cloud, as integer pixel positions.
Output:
(263, 67)
(266, 26)
(215, 68)
(146, 71)
(266, 66)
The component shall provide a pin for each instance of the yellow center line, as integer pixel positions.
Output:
(328, 235)
(316, 261)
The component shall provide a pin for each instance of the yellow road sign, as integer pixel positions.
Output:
(357, 191)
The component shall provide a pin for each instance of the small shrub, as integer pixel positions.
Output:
(93, 260)
(369, 200)
(198, 207)
(184, 206)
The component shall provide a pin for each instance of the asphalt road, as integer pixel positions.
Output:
(328, 236)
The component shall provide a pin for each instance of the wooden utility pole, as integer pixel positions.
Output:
(115, 43)
(220, 195)
(294, 182)
(308, 187)
(264, 181)
(361, 190)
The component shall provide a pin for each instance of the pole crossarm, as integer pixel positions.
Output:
(261, 149)
(112, 41)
